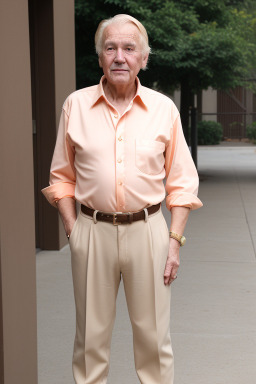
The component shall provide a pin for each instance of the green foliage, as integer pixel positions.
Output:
(251, 132)
(202, 42)
(209, 132)
(88, 14)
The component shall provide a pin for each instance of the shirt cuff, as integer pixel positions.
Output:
(185, 199)
(57, 191)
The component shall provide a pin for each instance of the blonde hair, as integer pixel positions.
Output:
(121, 19)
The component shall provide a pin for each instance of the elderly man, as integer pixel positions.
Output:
(116, 142)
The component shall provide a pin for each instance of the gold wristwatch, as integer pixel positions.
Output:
(179, 238)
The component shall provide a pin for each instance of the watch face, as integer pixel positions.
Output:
(182, 240)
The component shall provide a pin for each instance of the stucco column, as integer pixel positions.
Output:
(18, 334)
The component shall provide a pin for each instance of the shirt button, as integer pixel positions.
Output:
(120, 138)
(115, 116)
(120, 182)
(119, 160)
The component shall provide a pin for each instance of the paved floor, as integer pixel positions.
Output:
(213, 300)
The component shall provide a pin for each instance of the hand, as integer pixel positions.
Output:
(69, 226)
(172, 262)
(67, 209)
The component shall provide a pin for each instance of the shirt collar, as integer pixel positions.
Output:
(100, 94)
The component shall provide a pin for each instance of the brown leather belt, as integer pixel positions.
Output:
(120, 218)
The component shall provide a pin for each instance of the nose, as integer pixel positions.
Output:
(119, 58)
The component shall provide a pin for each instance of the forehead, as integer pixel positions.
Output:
(121, 32)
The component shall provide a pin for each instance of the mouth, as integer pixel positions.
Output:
(119, 70)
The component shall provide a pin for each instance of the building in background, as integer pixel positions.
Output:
(234, 109)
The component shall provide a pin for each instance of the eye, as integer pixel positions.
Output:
(129, 50)
(109, 50)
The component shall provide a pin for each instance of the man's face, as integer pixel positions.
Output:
(121, 58)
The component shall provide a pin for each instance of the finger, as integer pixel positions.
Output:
(168, 270)
(168, 267)
(173, 275)
(167, 274)
(171, 280)
(174, 272)
(167, 277)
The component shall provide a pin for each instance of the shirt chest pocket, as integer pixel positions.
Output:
(149, 156)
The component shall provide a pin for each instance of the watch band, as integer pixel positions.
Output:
(180, 238)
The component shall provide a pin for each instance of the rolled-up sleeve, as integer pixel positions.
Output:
(181, 175)
(62, 172)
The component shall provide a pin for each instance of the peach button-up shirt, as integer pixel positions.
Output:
(117, 163)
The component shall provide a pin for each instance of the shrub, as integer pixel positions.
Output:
(251, 132)
(209, 132)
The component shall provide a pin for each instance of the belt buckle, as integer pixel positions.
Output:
(114, 219)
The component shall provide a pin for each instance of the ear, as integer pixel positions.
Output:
(100, 62)
(144, 61)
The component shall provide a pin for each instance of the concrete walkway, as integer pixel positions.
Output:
(213, 300)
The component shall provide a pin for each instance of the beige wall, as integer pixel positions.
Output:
(176, 98)
(64, 43)
(209, 104)
(18, 361)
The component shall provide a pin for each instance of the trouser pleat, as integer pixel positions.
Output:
(103, 278)
(148, 300)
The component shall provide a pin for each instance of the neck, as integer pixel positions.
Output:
(119, 93)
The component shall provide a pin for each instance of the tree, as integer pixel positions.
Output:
(195, 44)
(88, 14)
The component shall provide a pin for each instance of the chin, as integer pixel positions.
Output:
(120, 79)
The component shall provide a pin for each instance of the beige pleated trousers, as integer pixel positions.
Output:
(100, 254)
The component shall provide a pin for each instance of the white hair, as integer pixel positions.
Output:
(121, 19)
